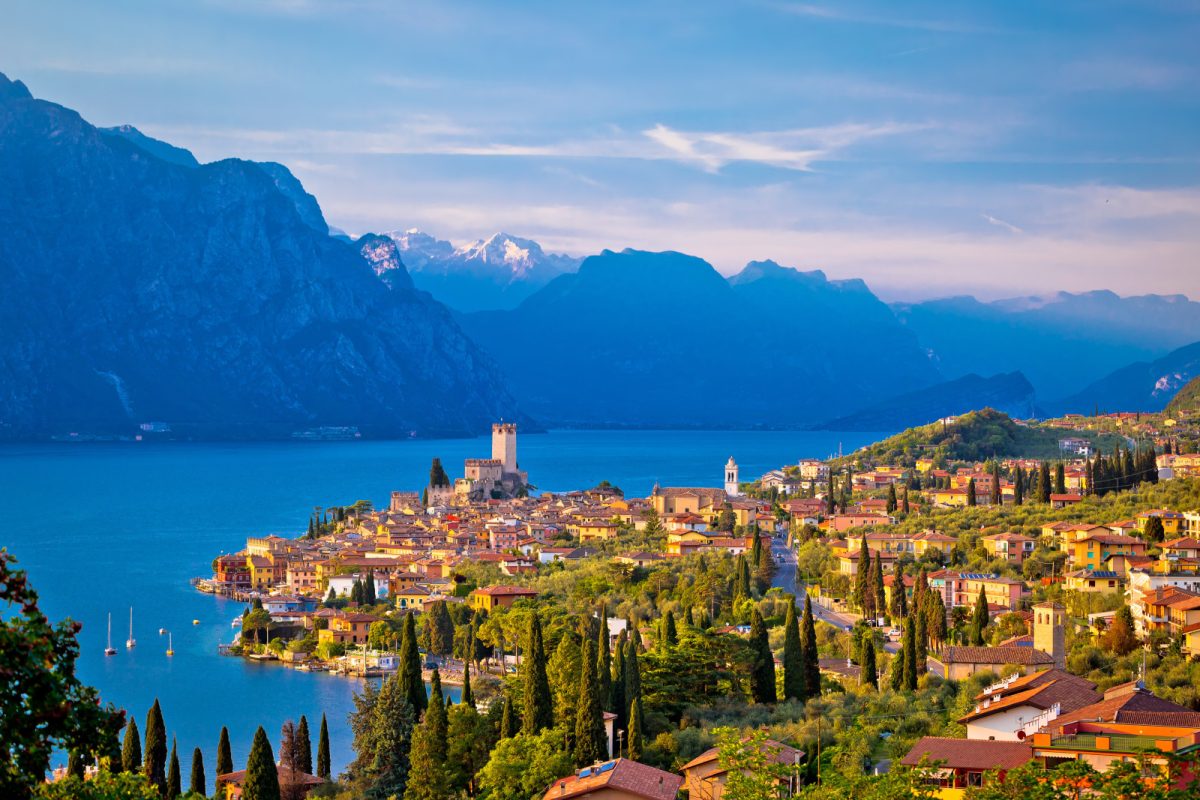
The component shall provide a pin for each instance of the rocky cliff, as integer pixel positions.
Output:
(135, 288)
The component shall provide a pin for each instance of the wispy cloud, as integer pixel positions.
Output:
(841, 13)
(999, 223)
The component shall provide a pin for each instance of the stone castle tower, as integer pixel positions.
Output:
(504, 446)
(731, 478)
(1048, 633)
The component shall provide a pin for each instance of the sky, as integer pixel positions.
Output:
(932, 149)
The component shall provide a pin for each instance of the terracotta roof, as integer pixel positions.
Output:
(780, 753)
(507, 591)
(286, 778)
(1131, 704)
(969, 754)
(1040, 690)
(993, 655)
(622, 775)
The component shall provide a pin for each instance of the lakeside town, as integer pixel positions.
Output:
(1034, 610)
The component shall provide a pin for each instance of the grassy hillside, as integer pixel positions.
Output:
(1186, 401)
(976, 436)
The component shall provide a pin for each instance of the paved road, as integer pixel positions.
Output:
(785, 578)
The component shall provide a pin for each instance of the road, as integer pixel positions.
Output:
(785, 578)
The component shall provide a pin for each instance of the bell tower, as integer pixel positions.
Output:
(731, 478)
(504, 446)
(1048, 633)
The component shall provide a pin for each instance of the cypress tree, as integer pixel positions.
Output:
(971, 492)
(808, 642)
(304, 746)
(427, 769)
(197, 784)
(323, 770)
(224, 754)
(877, 588)
(435, 718)
(411, 682)
(538, 713)
(910, 654)
(762, 674)
(370, 596)
(689, 618)
(793, 656)
(262, 777)
(869, 675)
(892, 501)
(904, 502)
(154, 765)
(897, 668)
(619, 706)
(1060, 479)
(633, 673)
(604, 662)
(467, 696)
(635, 730)
(1018, 486)
(920, 643)
(509, 724)
(131, 748)
(591, 743)
(862, 576)
(995, 493)
(979, 620)
(670, 636)
(1044, 483)
(174, 779)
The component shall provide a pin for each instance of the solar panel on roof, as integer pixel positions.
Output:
(605, 767)
(585, 772)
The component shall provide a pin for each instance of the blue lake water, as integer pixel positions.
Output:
(101, 527)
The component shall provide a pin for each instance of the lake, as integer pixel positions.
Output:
(101, 527)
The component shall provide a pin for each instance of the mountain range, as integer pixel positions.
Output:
(494, 273)
(139, 285)
(1141, 386)
(662, 339)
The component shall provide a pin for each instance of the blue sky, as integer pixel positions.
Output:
(931, 148)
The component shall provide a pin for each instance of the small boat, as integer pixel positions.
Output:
(131, 642)
(161, 631)
(170, 645)
(195, 622)
(237, 622)
(110, 650)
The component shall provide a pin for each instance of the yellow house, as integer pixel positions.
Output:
(949, 498)
(1091, 551)
(490, 598)
(927, 541)
(1093, 582)
(682, 543)
(1171, 520)
(594, 529)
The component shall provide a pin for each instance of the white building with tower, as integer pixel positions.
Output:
(731, 478)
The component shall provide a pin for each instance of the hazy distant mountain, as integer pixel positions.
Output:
(1010, 393)
(1186, 401)
(1061, 342)
(1142, 386)
(155, 147)
(662, 339)
(210, 297)
(496, 273)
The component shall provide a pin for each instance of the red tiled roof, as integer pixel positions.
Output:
(970, 754)
(506, 591)
(1133, 705)
(993, 655)
(624, 775)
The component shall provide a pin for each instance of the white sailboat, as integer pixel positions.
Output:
(170, 644)
(131, 642)
(110, 650)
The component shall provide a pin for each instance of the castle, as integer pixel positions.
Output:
(497, 477)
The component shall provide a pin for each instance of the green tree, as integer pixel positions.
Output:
(174, 779)
(470, 742)
(437, 474)
(752, 767)
(870, 677)
(75, 768)
(971, 500)
(1060, 479)
(382, 723)
(101, 786)
(522, 766)
(619, 705)
(197, 784)
(304, 746)
(892, 501)
(591, 742)
(910, 655)
(323, 768)
(131, 748)
(1154, 531)
(409, 674)
(539, 708)
(43, 704)
(762, 674)
(435, 715)
(467, 696)
(979, 619)
(670, 635)
(509, 722)
(1044, 483)
(441, 629)
(793, 656)
(635, 729)
(862, 578)
(154, 765)
(808, 641)
(427, 771)
(633, 674)
(604, 661)
(920, 645)
(262, 778)
(224, 754)
(877, 588)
